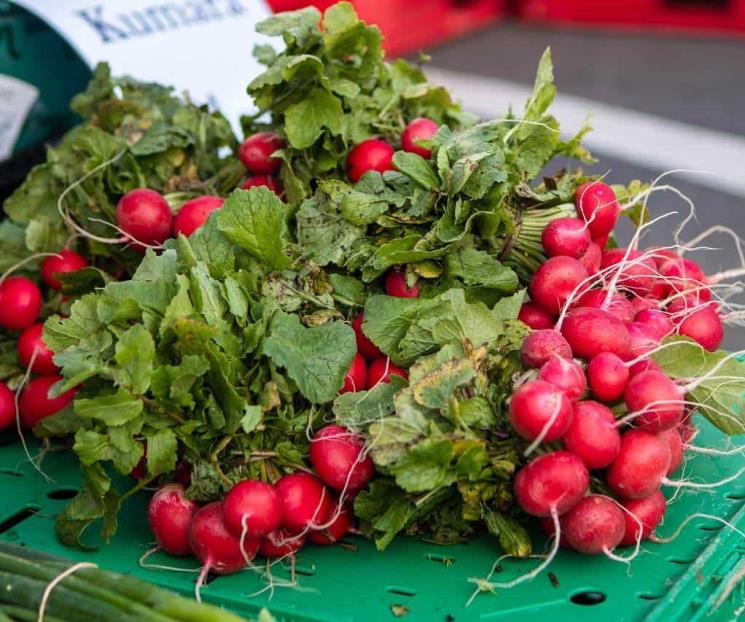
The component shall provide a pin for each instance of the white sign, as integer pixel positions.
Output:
(199, 46)
(16, 99)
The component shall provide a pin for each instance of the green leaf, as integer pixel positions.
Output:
(161, 451)
(135, 352)
(426, 466)
(114, 409)
(251, 419)
(324, 234)
(386, 507)
(479, 269)
(357, 207)
(347, 290)
(513, 537)
(306, 120)
(416, 168)
(356, 409)
(544, 90)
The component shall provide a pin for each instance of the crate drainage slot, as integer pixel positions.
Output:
(646, 596)
(17, 519)
(401, 591)
(62, 494)
(682, 562)
(11, 473)
(710, 527)
(588, 598)
(306, 572)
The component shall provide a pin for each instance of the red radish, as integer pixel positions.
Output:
(637, 271)
(592, 331)
(395, 285)
(7, 407)
(644, 365)
(194, 213)
(687, 430)
(62, 263)
(420, 129)
(593, 434)
(144, 216)
(607, 375)
(140, 469)
(356, 378)
(337, 457)
(602, 241)
(31, 346)
(20, 303)
(255, 152)
(533, 316)
(381, 370)
(281, 544)
(674, 440)
(657, 399)
(214, 546)
(704, 326)
(267, 181)
(182, 473)
(597, 205)
(639, 304)
(663, 256)
(306, 502)
(366, 347)
(538, 404)
(657, 320)
(547, 526)
(648, 511)
(35, 403)
(336, 530)
(541, 346)
(555, 281)
(169, 514)
(370, 155)
(619, 305)
(682, 275)
(566, 236)
(595, 525)
(591, 258)
(252, 505)
(556, 480)
(640, 466)
(566, 375)
(644, 338)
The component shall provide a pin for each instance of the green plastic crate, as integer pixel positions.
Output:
(683, 581)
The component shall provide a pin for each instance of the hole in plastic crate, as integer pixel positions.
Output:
(588, 597)
(648, 596)
(211, 576)
(710, 527)
(11, 473)
(401, 591)
(440, 559)
(17, 518)
(682, 562)
(306, 572)
(62, 494)
(735, 496)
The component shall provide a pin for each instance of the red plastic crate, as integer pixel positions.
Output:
(692, 15)
(410, 25)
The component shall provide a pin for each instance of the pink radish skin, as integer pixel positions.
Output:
(556, 480)
(20, 303)
(649, 512)
(365, 347)
(642, 366)
(267, 181)
(7, 407)
(169, 514)
(356, 378)
(541, 346)
(305, 501)
(370, 155)
(619, 305)
(657, 320)
(607, 376)
(67, 261)
(35, 402)
(547, 526)
(644, 338)
(675, 442)
(535, 317)
(336, 456)
(194, 213)
(31, 346)
(682, 275)
(597, 205)
(704, 326)
(638, 273)
(566, 236)
(591, 258)
(566, 375)
(595, 525)
(214, 546)
(592, 331)
(256, 505)
(419, 129)
(144, 216)
(256, 150)
(639, 304)
(336, 530)
(593, 435)
(658, 400)
(381, 370)
(396, 286)
(640, 466)
(533, 405)
(279, 544)
(554, 282)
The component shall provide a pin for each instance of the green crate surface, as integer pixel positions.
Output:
(678, 582)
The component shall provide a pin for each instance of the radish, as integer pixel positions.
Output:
(597, 205)
(213, 545)
(663, 256)
(657, 399)
(593, 435)
(592, 331)
(144, 216)
(252, 509)
(306, 502)
(337, 457)
(541, 346)
(396, 286)
(7, 407)
(675, 442)
(182, 473)
(339, 527)
(356, 378)
(35, 403)
(704, 326)
(637, 271)
(540, 408)
(366, 347)
(640, 466)
(643, 338)
(62, 263)
(140, 469)
(547, 526)
(607, 376)
(595, 525)
(682, 275)
(566, 236)
(533, 316)
(657, 320)
(31, 346)
(642, 366)
(591, 258)
(280, 543)
(169, 514)
(553, 481)
(647, 511)
(602, 241)
(267, 181)
(256, 153)
(639, 304)
(369, 155)
(420, 129)
(566, 375)
(555, 281)
(20, 303)
(194, 213)
(619, 305)
(381, 370)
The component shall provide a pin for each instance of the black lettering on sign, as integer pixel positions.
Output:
(107, 31)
